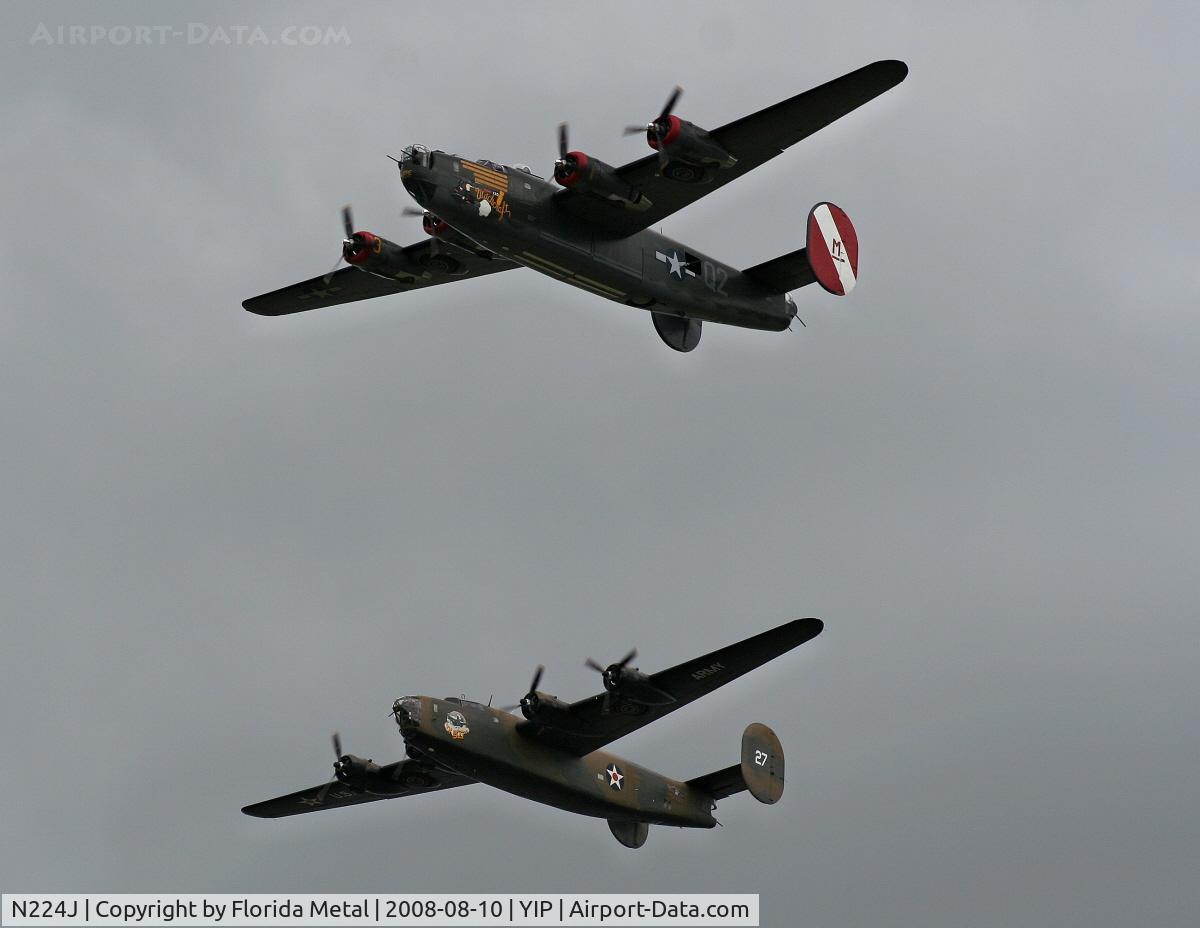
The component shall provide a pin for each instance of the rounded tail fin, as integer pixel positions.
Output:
(762, 763)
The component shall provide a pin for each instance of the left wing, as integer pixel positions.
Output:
(753, 140)
(407, 777)
(594, 722)
(350, 283)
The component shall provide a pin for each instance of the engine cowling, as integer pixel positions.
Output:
(365, 775)
(377, 255)
(631, 685)
(434, 225)
(685, 141)
(579, 171)
(437, 227)
(543, 708)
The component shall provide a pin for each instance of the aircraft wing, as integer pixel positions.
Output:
(753, 140)
(350, 284)
(409, 778)
(594, 722)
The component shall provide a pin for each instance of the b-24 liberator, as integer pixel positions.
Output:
(592, 226)
(554, 751)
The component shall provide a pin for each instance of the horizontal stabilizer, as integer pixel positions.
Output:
(720, 783)
(785, 273)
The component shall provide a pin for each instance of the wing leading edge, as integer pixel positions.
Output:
(753, 140)
(409, 778)
(596, 721)
(350, 284)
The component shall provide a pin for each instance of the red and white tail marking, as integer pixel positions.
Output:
(832, 248)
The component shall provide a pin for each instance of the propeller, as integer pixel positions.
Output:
(661, 124)
(348, 241)
(432, 224)
(567, 162)
(669, 106)
(619, 665)
(528, 698)
(337, 752)
(611, 675)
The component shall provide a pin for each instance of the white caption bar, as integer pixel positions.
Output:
(121, 909)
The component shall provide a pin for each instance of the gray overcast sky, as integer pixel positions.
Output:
(226, 536)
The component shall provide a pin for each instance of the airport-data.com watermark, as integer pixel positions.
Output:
(195, 34)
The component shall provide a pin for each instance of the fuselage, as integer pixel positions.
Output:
(487, 744)
(513, 213)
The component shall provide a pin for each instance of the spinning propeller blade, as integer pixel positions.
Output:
(611, 675)
(533, 685)
(657, 127)
(671, 101)
(337, 750)
(348, 228)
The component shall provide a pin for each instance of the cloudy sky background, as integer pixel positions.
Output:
(227, 536)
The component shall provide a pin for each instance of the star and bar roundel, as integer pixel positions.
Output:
(616, 779)
(832, 248)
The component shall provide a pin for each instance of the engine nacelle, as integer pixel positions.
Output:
(578, 171)
(438, 228)
(434, 225)
(370, 252)
(544, 709)
(631, 685)
(686, 141)
(365, 775)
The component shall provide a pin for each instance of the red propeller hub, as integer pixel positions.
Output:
(360, 246)
(573, 169)
(668, 132)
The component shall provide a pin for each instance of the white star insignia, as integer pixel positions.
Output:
(676, 265)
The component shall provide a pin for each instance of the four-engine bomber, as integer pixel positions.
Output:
(553, 752)
(591, 225)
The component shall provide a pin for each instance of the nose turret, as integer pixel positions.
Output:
(407, 711)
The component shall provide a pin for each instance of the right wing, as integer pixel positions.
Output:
(408, 776)
(594, 722)
(350, 283)
(753, 140)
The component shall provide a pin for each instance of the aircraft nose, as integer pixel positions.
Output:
(407, 712)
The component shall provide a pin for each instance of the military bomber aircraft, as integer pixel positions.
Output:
(593, 230)
(554, 755)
